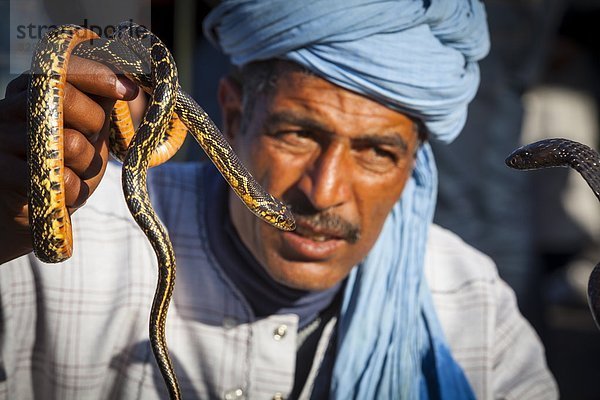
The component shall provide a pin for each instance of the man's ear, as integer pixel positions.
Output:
(230, 101)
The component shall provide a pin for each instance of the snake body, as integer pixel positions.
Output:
(142, 57)
(583, 159)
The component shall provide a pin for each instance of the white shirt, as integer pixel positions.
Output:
(79, 330)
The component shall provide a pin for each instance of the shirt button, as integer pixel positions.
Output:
(229, 322)
(278, 396)
(280, 332)
(234, 394)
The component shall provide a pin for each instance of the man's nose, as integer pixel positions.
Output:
(327, 182)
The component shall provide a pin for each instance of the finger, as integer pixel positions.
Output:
(14, 107)
(19, 84)
(13, 138)
(80, 155)
(96, 78)
(76, 190)
(97, 166)
(82, 113)
(13, 174)
(83, 186)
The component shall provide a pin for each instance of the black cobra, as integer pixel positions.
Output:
(141, 56)
(583, 159)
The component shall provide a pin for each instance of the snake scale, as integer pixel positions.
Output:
(583, 159)
(141, 56)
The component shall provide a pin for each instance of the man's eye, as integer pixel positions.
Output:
(295, 137)
(377, 158)
(380, 153)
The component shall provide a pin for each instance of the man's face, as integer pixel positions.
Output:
(338, 159)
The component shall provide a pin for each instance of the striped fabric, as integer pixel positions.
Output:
(79, 330)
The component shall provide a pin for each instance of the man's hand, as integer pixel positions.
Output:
(90, 94)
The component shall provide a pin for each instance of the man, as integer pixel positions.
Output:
(330, 111)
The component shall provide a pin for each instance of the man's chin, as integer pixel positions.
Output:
(301, 263)
(306, 275)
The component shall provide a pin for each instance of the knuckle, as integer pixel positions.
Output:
(78, 67)
(76, 190)
(82, 112)
(72, 181)
(98, 119)
(92, 76)
(69, 99)
(74, 142)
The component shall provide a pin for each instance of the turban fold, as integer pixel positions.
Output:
(418, 57)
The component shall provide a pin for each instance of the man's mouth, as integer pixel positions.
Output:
(312, 243)
(310, 248)
(319, 236)
(316, 234)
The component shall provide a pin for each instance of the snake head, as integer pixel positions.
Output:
(276, 214)
(555, 152)
(541, 154)
(521, 158)
(285, 221)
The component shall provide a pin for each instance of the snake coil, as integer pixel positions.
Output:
(171, 113)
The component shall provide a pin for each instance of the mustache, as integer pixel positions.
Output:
(324, 222)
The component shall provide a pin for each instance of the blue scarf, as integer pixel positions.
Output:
(391, 345)
(418, 57)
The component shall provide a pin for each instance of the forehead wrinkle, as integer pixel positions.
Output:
(298, 88)
(315, 104)
(296, 118)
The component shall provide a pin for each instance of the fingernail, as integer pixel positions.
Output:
(126, 89)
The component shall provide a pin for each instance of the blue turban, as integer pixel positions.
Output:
(418, 57)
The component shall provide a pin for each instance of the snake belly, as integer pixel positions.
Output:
(141, 56)
(583, 159)
(49, 220)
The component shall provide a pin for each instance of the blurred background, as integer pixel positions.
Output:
(541, 79)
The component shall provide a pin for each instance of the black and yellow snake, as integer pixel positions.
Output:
(142, 57)
(583, 159)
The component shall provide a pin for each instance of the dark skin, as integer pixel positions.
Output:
(339, 159)
(90, 93)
